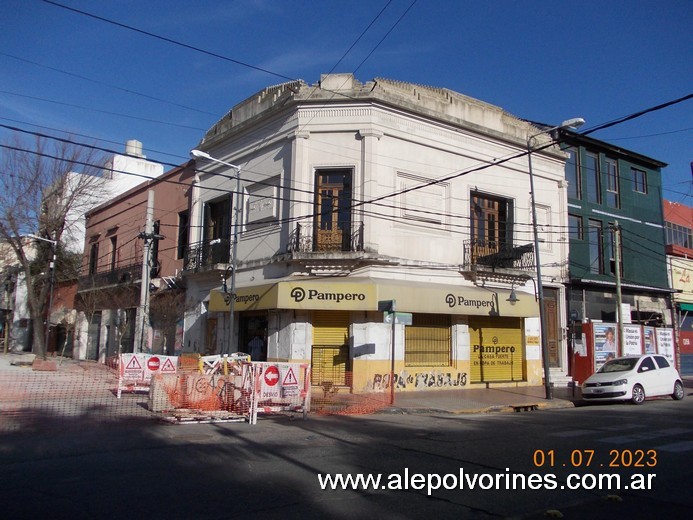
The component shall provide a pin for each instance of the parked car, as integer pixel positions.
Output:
(634, 378)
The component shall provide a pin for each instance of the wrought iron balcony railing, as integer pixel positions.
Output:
(121, 276)
(495, 255)
(207, 253)
(306, 239)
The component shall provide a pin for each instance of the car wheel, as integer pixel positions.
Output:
(638, 395)
(679, 393)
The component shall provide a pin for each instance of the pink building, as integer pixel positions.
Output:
(679, 228)
(110, 288)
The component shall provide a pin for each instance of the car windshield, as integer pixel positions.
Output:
(618, 365)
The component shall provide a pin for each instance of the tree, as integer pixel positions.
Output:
(166, 310)
(45, 187)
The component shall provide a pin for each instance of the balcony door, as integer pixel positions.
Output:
(490, 224)
(333, 210)
(217, 230)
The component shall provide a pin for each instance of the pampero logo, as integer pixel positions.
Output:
(298, 294)
(461, 301)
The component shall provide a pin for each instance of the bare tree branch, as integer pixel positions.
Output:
(45, 185)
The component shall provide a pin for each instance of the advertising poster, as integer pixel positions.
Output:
(650, 342)
(605, 343)
(632, 340)
(665, 343)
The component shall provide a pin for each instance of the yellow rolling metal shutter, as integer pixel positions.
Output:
(427, 341)
(496, 350)
(330, 354)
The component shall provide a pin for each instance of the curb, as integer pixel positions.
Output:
(557, 404)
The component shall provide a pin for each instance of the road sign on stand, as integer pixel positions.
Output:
(271, 376)
(401, 318)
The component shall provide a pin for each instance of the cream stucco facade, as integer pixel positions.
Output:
(437, 217)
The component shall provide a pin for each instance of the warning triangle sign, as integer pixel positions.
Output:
(290, 378)
(168, 366)
(133, 364)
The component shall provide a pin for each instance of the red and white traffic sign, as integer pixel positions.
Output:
(153, 364)
(168, 366)
(271, 376)
(290, 378)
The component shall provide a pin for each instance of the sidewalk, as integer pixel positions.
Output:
(67, 379)
(484, 400)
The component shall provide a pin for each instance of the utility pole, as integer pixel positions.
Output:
(616, 230)
(143, 310)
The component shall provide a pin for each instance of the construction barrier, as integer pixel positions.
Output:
(233, 385)
(280, 387)
(225, 385)
(135, 371)
(220, 364)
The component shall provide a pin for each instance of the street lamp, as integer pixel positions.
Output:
(199, 154)
(54, 243)
(572, 124)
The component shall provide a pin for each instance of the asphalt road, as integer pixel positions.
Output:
(139, 468)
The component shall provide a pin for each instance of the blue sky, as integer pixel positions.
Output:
(541, 60)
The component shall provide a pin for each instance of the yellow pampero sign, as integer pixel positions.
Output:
(363, 294)
(471, 301)
(327, 296)
(318, 295)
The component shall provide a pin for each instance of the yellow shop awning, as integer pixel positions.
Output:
(353, 293)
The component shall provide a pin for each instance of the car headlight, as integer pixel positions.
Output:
(620, 382)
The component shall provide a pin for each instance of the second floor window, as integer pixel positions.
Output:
(183, 225)
(94, 258)
(612, 254)
(217, 220)
(612, 185)
(333, 210)
(114, 253)
(595, 246)
(572, 174)
(592, 174)
(491, 227)
(639, 180)
(679, 235)
(575, 229)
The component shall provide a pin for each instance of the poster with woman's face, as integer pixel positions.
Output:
(649, 341)
(605, 343)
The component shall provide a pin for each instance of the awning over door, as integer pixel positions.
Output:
(352, 293)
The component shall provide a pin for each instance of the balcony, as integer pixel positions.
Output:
(121, 276)
(491, 255)
(206, 254)
(306, 239)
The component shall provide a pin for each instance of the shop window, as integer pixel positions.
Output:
(428, 341)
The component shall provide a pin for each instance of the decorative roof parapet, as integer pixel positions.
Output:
(437, 103)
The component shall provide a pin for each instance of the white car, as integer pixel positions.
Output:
(634, 378)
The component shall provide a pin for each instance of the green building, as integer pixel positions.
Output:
(613, 191)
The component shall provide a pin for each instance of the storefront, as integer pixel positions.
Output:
(459, 335)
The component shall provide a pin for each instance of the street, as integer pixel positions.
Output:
(145, 469)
